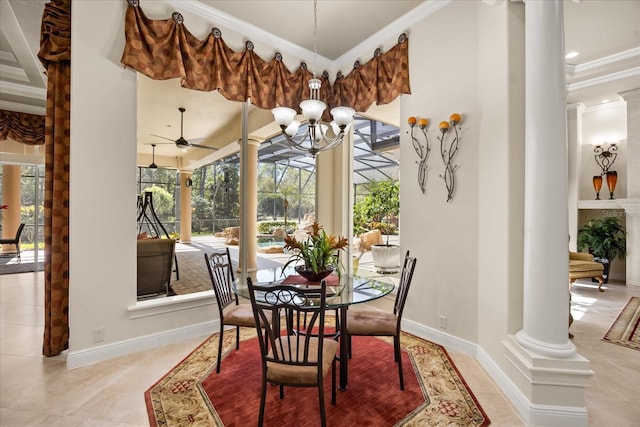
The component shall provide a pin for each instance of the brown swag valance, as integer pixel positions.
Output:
(22, 127)
(165, 49)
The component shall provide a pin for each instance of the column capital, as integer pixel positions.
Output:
(630, 95)
(251, 141)
(579, 106)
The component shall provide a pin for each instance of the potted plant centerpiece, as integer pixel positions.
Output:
(317, 256)
(605, 240)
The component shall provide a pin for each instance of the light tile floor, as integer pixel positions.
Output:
(39, 391)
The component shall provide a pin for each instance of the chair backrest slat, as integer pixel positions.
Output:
(221, 274)
(289, 305)
(406, 277)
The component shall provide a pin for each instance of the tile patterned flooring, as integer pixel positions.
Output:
(39, 391)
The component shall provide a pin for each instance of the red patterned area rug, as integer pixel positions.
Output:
(435, 393)
(625, 331)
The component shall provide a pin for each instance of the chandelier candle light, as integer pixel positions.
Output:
(315, 139)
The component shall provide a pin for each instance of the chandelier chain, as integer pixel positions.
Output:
(315, 35)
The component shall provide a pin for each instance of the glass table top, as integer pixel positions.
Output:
(348, 290)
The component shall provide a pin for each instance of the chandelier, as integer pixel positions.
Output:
(316, 137)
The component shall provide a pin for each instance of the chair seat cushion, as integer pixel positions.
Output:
(583, 266)
(238, 315)
(296, 374)
(371, 322)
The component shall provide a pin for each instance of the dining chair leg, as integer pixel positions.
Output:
(333, 381)
(398, 356)
(220, 348)
(237, 337)
(263, 398)
(281, 391)
(323, 417)
(348, 341)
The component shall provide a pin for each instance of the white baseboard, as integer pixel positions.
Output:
(530, 413)
(91, 355)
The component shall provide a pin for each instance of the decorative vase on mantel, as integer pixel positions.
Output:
(612, 179)
(597, 185)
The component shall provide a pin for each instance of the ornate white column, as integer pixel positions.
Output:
(574, 141)
(546, 267)
(248, 197)
(632, 203)
(185, 206)
(543, 363)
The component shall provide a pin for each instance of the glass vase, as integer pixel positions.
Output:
(612, 179)
(597, 185)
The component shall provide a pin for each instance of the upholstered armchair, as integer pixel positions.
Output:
(582, 266)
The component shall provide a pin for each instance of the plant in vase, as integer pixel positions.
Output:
(605, 240)
(317, 256)
(379, 210)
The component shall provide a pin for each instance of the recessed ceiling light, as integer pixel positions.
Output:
(604, 101)
(572, 54)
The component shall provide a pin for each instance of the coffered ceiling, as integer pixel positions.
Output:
(606, 33)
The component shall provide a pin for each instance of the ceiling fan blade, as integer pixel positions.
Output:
(163, 137)
(202, 146)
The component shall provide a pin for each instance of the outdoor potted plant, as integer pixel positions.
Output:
(383, 207)
(317, 256)
(605, 240)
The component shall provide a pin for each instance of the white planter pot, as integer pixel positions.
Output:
(386, 258)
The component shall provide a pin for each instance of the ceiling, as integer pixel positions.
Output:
(606, 33)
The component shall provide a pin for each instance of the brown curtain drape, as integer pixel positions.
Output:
(55, 55)
(22, 127)
(165, 49)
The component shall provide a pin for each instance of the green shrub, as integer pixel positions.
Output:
(267, 227)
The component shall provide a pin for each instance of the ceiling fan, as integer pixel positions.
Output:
(181, 142)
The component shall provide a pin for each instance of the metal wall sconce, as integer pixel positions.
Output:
(448, 151)
(605, 159)
(421, 150)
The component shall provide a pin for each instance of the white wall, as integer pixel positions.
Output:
(102, 191)
(468, 58)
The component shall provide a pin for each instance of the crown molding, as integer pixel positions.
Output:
(631, 72)
(251, 32)
(23, 90)
(394, 29)
(364, 49)
(22, 108)
(607, 60)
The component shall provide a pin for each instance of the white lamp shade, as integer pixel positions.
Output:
(312, 109)
(342, 115)
(283, 115)
(292, 129)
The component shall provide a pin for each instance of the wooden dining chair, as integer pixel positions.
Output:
(292, 354)
(380, 323)
(231, 312)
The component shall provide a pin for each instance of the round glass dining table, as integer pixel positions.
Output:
(341, 294)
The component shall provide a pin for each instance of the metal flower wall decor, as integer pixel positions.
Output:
(448, 149)
(422, 150)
